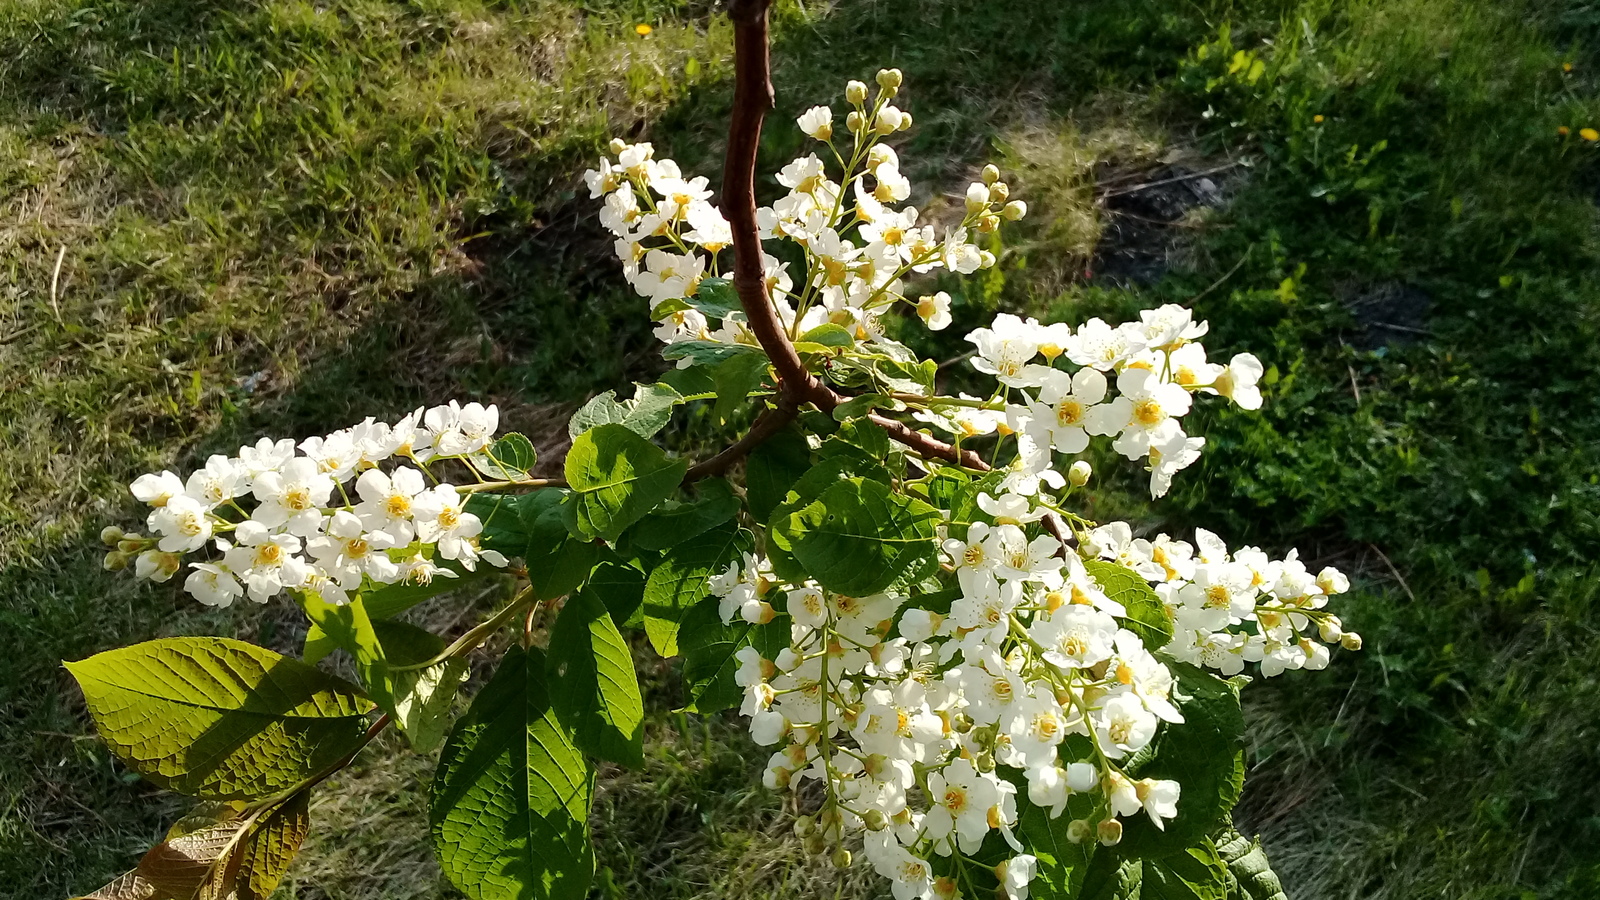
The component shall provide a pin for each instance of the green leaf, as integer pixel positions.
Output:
(617, 477)
(344, 627)
(648, 411)
(1063, 865)
(735, 378)
(773, 468)
(511, 795)
(858, 537)
(715, 297)
(862, 405)
(1147, 615)
(510, 458)
(676, 523)
(705, 353)
(592, 683)
(680, 581)
(217, 718)
(421, 699)
(1112, 876)
(1193, 873)
(1248, 867)
(828, 334)
(709, 648)
(1204, 754)
(621, 587)
(385, 601)
(557, 561)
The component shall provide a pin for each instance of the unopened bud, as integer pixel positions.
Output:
(803, 827)
(116, 561)
(988, 222)
(110, 534)
(945, 888)
(1015, 210)
(984, 763)
(986, 259)
(1109, 832)
(991, 173)
(999, 192)
(1350, 641)
(1079, 830)
(855, 92)
(876, 820)
(905, 121)
(1330, 629)
(1078, 474)
(816, 844)
(618, 145)
(853, 121)
(841, 858)
(131, 544)
(889, 79)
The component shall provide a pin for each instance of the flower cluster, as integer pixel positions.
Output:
(1157, 364)
(903, 712)
(1230, 609)
(859, 242)
(283, 515)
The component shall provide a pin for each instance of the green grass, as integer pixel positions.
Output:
(280, 217)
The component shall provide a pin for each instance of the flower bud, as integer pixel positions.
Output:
(1109, 832)
(618, 145)
(1079, 830)
(988, 223)
(999, 192)
(1015, 210)
(991, 173)
(1330, 629)
(984, 762)
(116, 561)
(945, 888)
(905, 121)
(803, 827)
(876, 820)
(889, 120)
(815, 844)
(131, 543)
(855, 92)
(889, 79)
(1078, 475)
(1350, 641)
(986, 259)
(977, 197)
(853, 121)
(841, 858)
(110, 535)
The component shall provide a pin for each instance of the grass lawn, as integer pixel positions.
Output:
(225, 220)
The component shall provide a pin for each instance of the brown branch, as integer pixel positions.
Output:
(766, 425)
(926, 445)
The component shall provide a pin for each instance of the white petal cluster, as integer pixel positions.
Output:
(858, 241)
(1058, 387)
(1231, 609)
(322, 516)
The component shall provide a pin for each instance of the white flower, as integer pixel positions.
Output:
(266, 562)
(1188, 367)
(935, 310)
(183, 524)
(620, 212)
(1135, 669)
(1066, 403)
(817, 122)
(1076, 636)
(1123, 726)
(1018, 874)
(442, 519)
(267, 455)
(1171, 451)
(336, 454)
(975, 559)
(212, 585)
(1159, 798)
(604, 180)
(292, 497)
(421, 570)
(708, 228)
(1238, 381)
(155, 489)
(346, 552)
(669, 276)
(892, 187)
(1101, 346)
(1147, 404)
(221, 480)
(388, 502)
(807, 607)
(156, 565)
(1037, 725)
(1169, 327)
(962, 799)
(459, 430)
(1005, 349)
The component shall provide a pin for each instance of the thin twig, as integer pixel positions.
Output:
(766, 425)
(55, 283)
(1397, 576)
(1165, 181)
(1225, 276)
